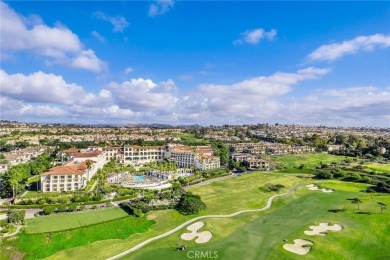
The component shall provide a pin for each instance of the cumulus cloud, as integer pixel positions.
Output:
(39, 87)
(331, 52)
(12, 108)
(348, 106)
(88, 60)
(254, 36)
(48, 97)
(160, 7)
(248, 96)
(144, 95)
(119, 22)
(58, 43)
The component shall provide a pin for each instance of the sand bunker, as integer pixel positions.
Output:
(203, 237)
(322, 229)
(300, 246)
(315, 187)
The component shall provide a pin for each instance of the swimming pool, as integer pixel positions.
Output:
(139, 178)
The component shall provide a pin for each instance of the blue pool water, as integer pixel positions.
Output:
(139, 178)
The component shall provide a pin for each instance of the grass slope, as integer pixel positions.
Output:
(239, 193)
(379, 167)
(72, 220)
(37, 246)
(261, 235)
(165, 220)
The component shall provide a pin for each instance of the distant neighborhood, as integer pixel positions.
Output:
(76, 154)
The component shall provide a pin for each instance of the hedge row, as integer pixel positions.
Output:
(54, 205)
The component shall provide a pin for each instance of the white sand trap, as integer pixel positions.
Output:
(203, 237)
(315, 187)
(300, 246)
(322, 229)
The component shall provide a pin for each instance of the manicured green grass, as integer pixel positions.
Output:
(38, 194)
(309, 160)
(165, 220)
(379, 167)
(72, 220)
(37, 246)
(238, 193)
(261, 235)
(252, 235)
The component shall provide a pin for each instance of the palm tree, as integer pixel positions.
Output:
(356, 201)
(383, 206)
(88, 168)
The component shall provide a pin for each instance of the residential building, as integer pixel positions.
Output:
(70, 177)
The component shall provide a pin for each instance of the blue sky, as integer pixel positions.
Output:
(183, 62)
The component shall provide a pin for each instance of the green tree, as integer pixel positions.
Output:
(190, 204)
(356, 201)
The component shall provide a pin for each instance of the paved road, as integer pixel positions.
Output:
(269, 203)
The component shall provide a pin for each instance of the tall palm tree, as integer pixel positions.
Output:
(89, 164)
(383, 206)
(356, 201)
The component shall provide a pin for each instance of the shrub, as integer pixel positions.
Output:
(61, 208)
(97, 197)
(271, 187)
(47, 210)
(16, 216)
(63, 200)
(324, 175)
(41, 201)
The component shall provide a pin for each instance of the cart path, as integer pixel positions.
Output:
(170, 232)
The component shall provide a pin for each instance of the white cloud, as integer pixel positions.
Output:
(254, 36)
(39, 87)
(128, 70)
(331, 52)
(98, 36)
(120, 23)
(13, 109)
(88, 60)
(47, 97)
(349, 106)
(251, 98)
(19, 33)
(144, 95)
(160, 7)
